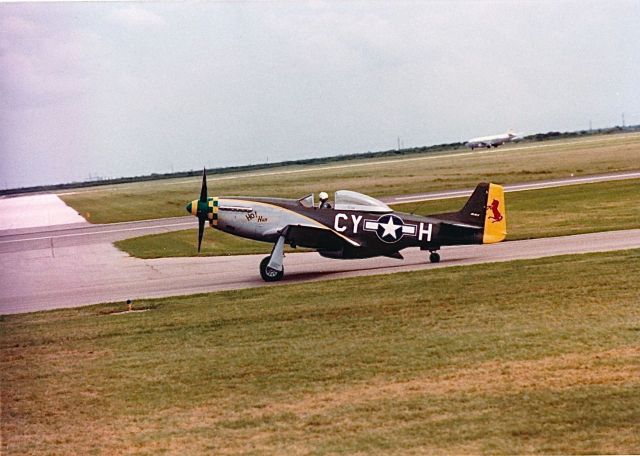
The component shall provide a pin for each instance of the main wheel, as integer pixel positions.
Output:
(434, 257)
(268, 274)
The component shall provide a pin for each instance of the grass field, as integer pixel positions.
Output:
(551, 159)
(535, 213)
(449, 361)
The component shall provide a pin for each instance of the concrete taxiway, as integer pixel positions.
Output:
(79, 275)
(30, 211)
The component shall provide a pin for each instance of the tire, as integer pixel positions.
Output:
(434, 257)
(268, 274)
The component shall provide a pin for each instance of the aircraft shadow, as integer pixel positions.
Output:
(302, 275)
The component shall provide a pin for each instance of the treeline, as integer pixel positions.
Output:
(306, 161)
(575, 134)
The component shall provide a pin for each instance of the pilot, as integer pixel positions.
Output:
(324, 201)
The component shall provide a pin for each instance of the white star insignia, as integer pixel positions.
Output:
(390, 228)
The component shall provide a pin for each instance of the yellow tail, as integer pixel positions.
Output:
(495, 222)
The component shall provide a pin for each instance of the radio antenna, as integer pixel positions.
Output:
(422, 203)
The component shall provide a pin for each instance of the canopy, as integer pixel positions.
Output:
(346, 200)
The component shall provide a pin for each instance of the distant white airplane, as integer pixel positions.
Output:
(493, 141)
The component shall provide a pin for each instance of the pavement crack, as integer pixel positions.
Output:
(153, 268)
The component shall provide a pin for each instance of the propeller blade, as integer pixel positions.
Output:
(201, 221)
(203, 190)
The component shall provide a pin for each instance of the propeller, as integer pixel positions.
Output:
(200, 208)
(202, 215)
(200, 231)
(203, 190)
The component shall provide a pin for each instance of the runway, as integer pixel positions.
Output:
(80, 275)
(537, 185)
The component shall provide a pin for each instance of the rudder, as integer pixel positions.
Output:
(495, 222)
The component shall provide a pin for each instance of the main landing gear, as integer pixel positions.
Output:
(269, 274)
(434, 257)
(271, 267)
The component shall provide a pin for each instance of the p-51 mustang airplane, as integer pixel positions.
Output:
(357, 226)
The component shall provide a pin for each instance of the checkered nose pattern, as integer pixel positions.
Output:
(212, 210)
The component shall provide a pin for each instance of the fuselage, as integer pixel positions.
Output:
(491, 141)
(365, 234)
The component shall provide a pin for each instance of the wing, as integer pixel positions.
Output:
(316, 237)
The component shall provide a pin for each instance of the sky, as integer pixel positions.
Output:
(111, 89)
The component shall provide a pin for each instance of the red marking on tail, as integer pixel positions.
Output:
(497, 216)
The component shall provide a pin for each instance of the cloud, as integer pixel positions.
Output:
(44, 64)
(134, 16)
(17, 26)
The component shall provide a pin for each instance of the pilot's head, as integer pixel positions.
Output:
(323, 196)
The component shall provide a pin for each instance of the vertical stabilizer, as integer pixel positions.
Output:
(495, 222)
(485, 210)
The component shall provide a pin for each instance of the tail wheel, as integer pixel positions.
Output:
(434, 257)
(268, 274)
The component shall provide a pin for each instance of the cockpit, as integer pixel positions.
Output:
(347, 200)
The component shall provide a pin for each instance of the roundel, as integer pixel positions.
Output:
(389, 228)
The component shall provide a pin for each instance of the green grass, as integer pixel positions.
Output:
(535, 213)
(185, 242)
(522, 357)
(167, 198)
